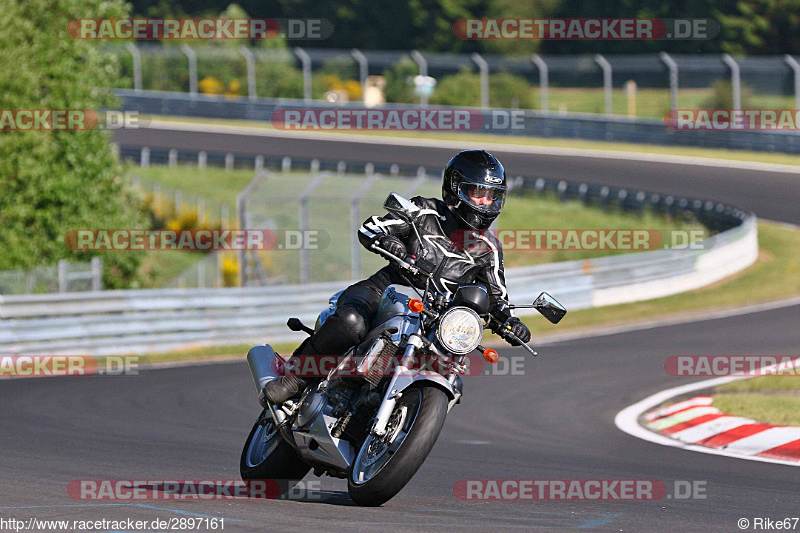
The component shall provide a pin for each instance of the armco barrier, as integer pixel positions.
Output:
(139, 321)
(535, 123)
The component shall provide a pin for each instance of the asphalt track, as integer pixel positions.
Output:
(554, 422)
(771, 195)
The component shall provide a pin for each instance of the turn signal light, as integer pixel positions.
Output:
(416, 305)
(490, 355)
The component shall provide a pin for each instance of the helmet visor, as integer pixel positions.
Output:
(484, 198)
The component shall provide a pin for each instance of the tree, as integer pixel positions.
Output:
(54, 181)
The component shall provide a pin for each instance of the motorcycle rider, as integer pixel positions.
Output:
(473, 193)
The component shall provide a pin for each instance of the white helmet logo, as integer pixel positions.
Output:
(492, 179)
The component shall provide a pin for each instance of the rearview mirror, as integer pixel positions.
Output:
(549, 308)
(398, 205)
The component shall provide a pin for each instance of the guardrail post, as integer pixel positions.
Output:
(229, 161)
(251, 71)
(341, 167)
(305, 259)
(363, 69)
(62, 275)
(259, 163)
(144, 158)
(483, 66)
(286, 164)
(173, 157)
(314, 165)
(137, 66)
(202, 159)
(735, 80)
(355, 222)
(422, 63)
(97, 273)
(673, 79)
(792, 62)
(607, 80)
(192, 57)
(544, 98)
(305, 60)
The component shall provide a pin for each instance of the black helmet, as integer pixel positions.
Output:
(474, 187)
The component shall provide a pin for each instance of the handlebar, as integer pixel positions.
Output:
(402, 263)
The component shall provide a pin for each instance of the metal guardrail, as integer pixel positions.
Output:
(533, 123)
(141, 321)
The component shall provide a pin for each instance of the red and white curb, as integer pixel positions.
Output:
(696, 425)
(696, 421)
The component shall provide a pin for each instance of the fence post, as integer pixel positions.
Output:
(305, 60)
(735, 80)
(62, 275)
(423, 71)
(241, 215)
(251, 71)
(792, 62)
(177, 199)
(544, 99)
(363, 69)
(192, 57)
(607, 81)
(355, 222)
(673, 79)
(483, 66)
(137, 66)
(97, 273)
(305, 260)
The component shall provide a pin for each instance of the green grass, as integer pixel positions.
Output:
(779, 409)
(714, 153)
(161, 267)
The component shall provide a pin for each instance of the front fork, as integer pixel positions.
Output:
(392, 394)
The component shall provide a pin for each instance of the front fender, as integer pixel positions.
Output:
(412, 377)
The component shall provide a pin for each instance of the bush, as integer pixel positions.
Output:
(399, 84)
(54, 181)
(464, 89)
(722, 95)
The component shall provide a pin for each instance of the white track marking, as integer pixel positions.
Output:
(764, 440)
(709, 429)
(466, 145)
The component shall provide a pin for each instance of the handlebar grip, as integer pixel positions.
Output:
(509, 335)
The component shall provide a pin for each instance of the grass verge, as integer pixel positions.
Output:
(778, 409)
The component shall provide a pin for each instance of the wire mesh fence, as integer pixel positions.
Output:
(61, 277)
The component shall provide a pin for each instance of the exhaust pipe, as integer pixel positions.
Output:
(263, 366)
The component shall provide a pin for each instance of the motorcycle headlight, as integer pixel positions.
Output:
(460, 330)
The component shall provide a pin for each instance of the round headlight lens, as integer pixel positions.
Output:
(460, 330)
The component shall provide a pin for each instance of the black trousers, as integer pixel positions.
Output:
(355, 309)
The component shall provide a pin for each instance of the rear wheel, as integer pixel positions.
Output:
(384, 465)
(267, 456)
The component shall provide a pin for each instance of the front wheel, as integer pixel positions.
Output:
(384, 465)
(267, 456)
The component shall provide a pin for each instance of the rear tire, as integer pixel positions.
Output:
(266, 455)
(374, 478)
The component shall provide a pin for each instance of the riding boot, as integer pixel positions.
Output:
(281, 389)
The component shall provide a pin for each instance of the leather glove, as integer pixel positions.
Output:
(515, 326)
(393, 245)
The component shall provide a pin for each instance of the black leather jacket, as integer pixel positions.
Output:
(456, 255)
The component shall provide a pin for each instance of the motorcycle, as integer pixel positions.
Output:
(376, 415)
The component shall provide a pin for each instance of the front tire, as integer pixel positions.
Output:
(267, 456)
(384, 466)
